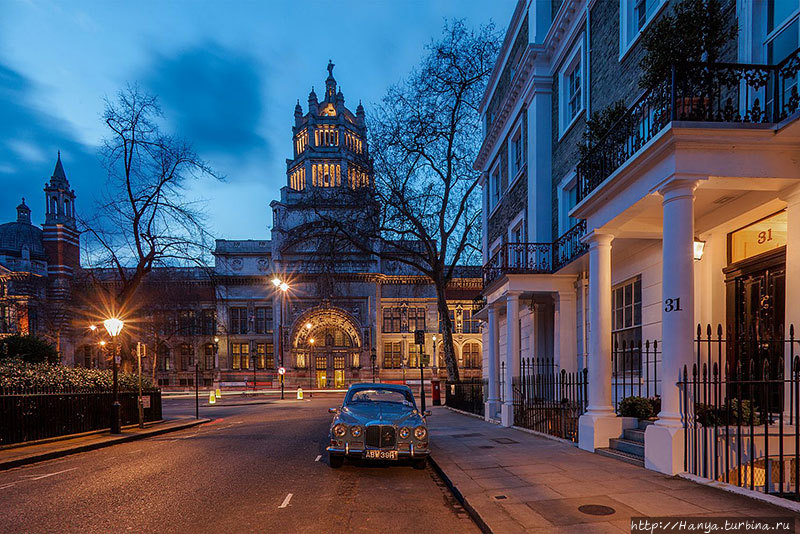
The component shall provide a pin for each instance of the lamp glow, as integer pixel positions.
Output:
(276, 282)
(92, 327)
(284, 286)
(308, 326)
(699, 246)
(113, 326)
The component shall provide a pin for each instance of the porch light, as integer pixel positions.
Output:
(698, 249)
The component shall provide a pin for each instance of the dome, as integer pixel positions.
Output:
(15, 235)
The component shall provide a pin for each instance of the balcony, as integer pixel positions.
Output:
(535, 258)
(708, 93)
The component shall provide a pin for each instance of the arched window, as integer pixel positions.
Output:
(164, 363)
(66, 208)
(53, 205)
(187, 356)
(471, 355)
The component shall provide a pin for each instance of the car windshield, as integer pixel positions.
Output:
(381, 395)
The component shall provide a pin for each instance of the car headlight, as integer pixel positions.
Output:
(355, 431)
(420, 432)
(405, 432)
(339, 430)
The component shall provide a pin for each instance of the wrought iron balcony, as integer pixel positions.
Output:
(535, 258)
(708, 92)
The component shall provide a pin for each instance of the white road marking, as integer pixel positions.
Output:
(53, 474)
(7, 485)
(319, 456)
(286, 501)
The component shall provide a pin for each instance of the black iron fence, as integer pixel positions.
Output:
(549, 400)
(635, 370)
(716, 92)
(534, 258)
(27, 415)
(466, 395)
(740, 412)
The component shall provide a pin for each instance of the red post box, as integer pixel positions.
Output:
(436, 393)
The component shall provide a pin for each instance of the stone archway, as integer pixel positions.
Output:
(327, 341)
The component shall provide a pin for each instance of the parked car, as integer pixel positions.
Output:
(378, 422)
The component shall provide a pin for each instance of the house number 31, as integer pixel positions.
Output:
(671, 305)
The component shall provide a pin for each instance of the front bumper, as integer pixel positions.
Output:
(414, 452)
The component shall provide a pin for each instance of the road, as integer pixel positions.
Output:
(254, 468)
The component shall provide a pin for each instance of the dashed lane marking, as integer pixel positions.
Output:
(53, 474)
(286, 501)
(319, 456)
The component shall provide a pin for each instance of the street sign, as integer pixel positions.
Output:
(145, 401)
(419, 337)
(118, 358)
(281, 370)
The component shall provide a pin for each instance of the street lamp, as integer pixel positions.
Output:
(310, 371)
(283, 287)
(114, 327)
(434, 358)
(373, 356)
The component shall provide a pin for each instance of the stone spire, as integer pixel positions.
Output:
(23, 213)
(312, 101)
(59, 178)
(330, 83)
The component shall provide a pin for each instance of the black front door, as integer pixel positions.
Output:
(756, 293)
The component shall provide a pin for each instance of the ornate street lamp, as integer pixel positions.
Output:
(114, 327)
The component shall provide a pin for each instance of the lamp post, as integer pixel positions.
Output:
(434, 358)
(197, 388)
(373, 356)
(114, 327)
(310, 371)
(283, 287)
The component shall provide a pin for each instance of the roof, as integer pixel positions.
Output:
(15, 235)
(370, 385)
(59, 177)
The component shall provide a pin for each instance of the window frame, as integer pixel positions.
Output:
(569, 183)
(515, 149)
(495, 186)
(627, 10)
(574, 60)
(636, 328)
(395, 353)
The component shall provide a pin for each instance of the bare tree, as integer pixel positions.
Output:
(424, 208)
(144, 220)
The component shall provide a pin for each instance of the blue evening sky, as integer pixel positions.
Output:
(228, 75)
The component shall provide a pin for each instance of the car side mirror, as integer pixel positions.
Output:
(427, 413)
(333, 410)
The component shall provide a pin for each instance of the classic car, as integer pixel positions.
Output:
(378, 422)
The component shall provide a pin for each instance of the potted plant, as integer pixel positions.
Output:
(695, 32)
(599, 124)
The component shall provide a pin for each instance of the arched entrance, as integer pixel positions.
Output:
(327, 341)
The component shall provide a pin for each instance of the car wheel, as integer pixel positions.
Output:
(420, 463)
(336, 461)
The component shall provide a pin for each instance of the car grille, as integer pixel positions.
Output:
(380, 436)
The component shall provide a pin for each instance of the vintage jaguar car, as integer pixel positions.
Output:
(378, 422)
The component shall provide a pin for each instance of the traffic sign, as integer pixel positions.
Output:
(419, 337)
(281, 370)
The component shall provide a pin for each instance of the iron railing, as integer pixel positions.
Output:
(548, 400)
(466, 395)
(536, 258)
(32, 414)
(740, 416)
(635, 370)
(715, 92)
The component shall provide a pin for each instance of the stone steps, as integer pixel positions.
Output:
(620, 455)
(628, 448)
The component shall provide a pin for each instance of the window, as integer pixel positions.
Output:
(783, 38)
(265, 357)
(187, 356)
(471, 355)
(518, 252)
(338, 361)
(470, 324)
(570, 89)
(208, 353)
(163, 358)
(321, 363)
(568, 198)
(392, 319)
(187, 323)
(392, 355)
(240, 355)
(635, 15)
(515, 157)
(494, 187)
(238, 322)
(416, 319)
(263, 320)
(413, 356)
(626, 322)
(302, 360)
(452, 313)
(209, 320)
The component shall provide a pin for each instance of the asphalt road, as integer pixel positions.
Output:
(234, 474)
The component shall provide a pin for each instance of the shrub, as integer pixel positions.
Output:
(30, 348)
(17, 374)
(708, 415)
(640, 407)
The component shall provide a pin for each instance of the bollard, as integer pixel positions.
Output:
(211, 398)
(299, 393)
(219, 394)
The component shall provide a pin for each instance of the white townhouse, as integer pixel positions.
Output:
(685, 211)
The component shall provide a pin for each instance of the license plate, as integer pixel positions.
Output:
(381, 455)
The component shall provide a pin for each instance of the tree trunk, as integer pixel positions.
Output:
(447, 331)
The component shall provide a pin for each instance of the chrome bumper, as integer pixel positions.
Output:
(415, 452)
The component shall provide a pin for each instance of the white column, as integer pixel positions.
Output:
(493, 375)
(599, 423)
(792, 317)
(664, 444)
(566, 340)
(512, 357)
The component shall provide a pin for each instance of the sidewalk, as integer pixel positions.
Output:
(513, 481)
(22, 454)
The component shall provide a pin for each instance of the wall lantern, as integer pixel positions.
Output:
(699, 246)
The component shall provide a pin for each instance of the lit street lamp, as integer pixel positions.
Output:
(283, 287)
(310, 372)
(114, 327)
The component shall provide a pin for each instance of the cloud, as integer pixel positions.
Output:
(212, 95)
(29, 146)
